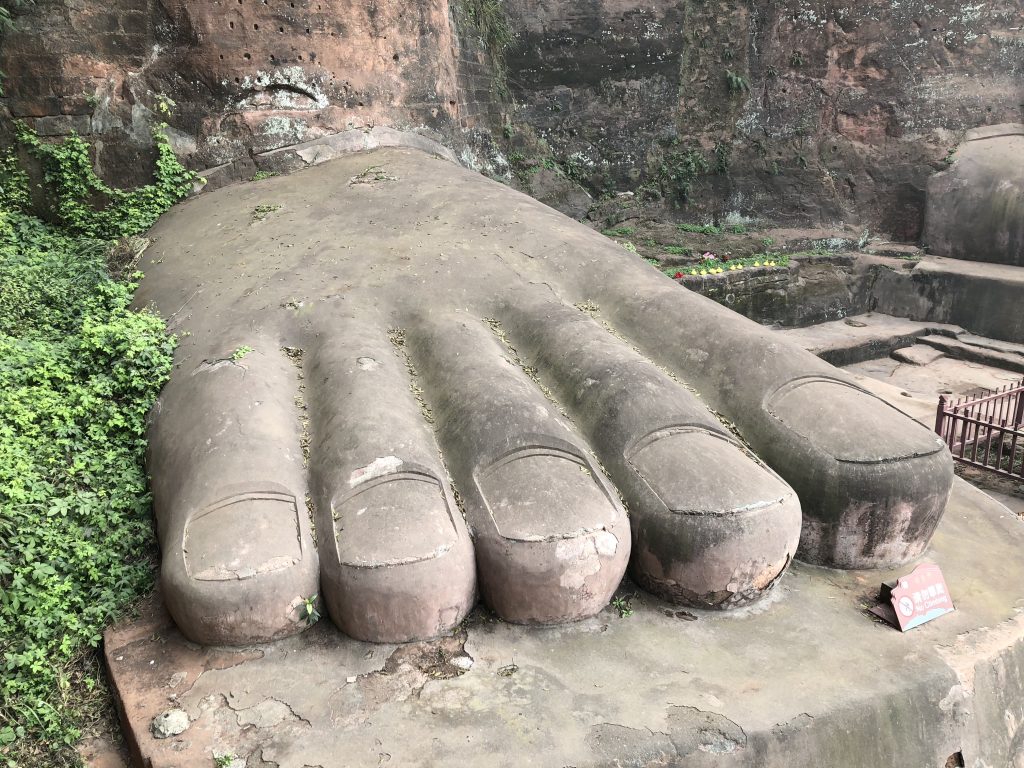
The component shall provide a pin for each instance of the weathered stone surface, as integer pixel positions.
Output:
(836, 113)
(918, 354)
(1007, 360)
(740, 690)
(508, 320)
(865, 337)
(170, 723)
(983, 298)
(976, 208)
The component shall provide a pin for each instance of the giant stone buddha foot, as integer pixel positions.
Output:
(400, 382)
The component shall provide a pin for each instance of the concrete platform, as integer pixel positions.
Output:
(809, 678)
(910, 363)
(865, 337)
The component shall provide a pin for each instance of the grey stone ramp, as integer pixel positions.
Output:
(805, 679)
(419, 250)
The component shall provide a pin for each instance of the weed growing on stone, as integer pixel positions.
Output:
(261, 175)
(618, 231)
(678, 172)
(240, 352)
(261, 211)
(624, 605)
(711, 229)
(677, 250)
(73, 188)
(723, 156)
(487, 21)
(372, 174)
(736, 83)
(307, 611)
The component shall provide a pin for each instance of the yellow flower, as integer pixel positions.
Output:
(757, 263)
(703, 271)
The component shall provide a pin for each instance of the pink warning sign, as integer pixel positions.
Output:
(920, 597)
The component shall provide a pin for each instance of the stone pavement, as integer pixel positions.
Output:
(808, 678)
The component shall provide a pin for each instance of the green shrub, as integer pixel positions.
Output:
(618, 231)
(678, 172)
(79, 370)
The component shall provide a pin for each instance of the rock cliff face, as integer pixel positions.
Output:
(804, 112)
(795, 111)
(236, 78)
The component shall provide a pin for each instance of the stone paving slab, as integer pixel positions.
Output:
(864, 337)
(808, 678)
(985, 355)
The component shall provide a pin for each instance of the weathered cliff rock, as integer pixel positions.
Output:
(976, 208)
(237, 78)
(803, 112)
(809, 112)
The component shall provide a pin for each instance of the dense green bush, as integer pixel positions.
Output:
(79, 370)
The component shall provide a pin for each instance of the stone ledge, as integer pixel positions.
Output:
(807, 679)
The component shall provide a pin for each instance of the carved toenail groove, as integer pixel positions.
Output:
(655, 458)
(263, 535)
(526, 492)
(393, 518)
(826, 412)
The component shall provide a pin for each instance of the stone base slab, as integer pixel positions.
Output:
(807, 678)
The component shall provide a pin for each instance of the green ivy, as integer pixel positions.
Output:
(711, 229)
(79, 370)
(83, 204)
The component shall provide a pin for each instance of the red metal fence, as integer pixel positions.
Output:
(986, 431)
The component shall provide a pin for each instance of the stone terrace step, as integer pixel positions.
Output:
(1008, 360)
(864, 337)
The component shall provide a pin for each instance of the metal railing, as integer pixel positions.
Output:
(986, 430)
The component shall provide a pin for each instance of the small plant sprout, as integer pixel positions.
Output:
(308, 611)
(260, 212)
(624, 605)
(164, 104)
(240, 352)
(223, 761)
(735, 82)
